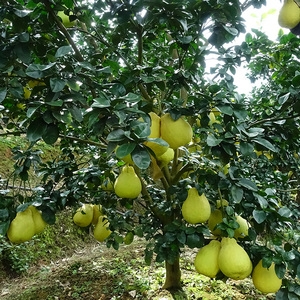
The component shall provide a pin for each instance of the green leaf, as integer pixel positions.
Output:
(4, 227)
(240, 113)
(237, 193)
(194, 241)
(4, 213)
(282, 99)
(262, 201)
(38, 71)
(57, 84)
(140, 129)
(265, 143)
(282, 295)
(280, 270)
(73, 85)
(101, 102)
(51, 134)
(181, 237)
(48, 215)
(62, 51)
(248, 184)
(246, 148)
(285, 212)
(21, 13)
(76, 113)
(225, 109)
(158, 141)
(231, 30)
(259, 216)
(212, 141)
(117, 135)
(254, 131)
(56, 103)
(125, 149)
(3, 92)
(36, 129)
(23, 53)
(296, 81)
(141, 157)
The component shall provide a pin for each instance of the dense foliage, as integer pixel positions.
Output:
(85, 87)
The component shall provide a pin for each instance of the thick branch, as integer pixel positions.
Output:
(82, 141)
(64, 30)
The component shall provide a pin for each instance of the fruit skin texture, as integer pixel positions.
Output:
(84, 215)
(195, 208)
(155, 133)
(128, 185)
(266, 280)
(175, 133)
(242, 231)
(289, 15)
(206, 261)
(97, 212)
(234, 261)
(214, 219)
(22, 227)
(101, 231)
(165, 158)
(39, 223)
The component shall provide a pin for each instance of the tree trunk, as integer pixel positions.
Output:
(173, 276)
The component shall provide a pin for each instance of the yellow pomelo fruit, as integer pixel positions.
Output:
(21, 228)
(65, 19)
(165, 158)
(216, 112)
(84, 215)
(34, 83)
(206, 261)
(128, 185)
(234, 261)
(101, 231)
(195, 208)
(212, 118)
(107, 185)
(242, 231)
(97, 212)
(175, 133)
(155, 133)
(155, 125)
(224, 203)
(27, 93)
(289, 14)
(214, 219)
(39, 223)
(266, 280)
(265, 153)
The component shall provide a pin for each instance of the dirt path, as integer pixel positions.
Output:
(97, 272)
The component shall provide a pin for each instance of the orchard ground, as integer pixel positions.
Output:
(65, 262)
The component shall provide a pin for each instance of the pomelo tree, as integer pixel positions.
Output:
(91, 84)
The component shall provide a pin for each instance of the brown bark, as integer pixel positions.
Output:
(173, 276)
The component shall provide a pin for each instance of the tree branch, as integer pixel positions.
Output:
(64, 30)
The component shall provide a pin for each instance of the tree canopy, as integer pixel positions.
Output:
(87, 84)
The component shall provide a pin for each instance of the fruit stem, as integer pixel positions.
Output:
(175, 163)
(185, 168)
(166, 174)
(221, 200)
